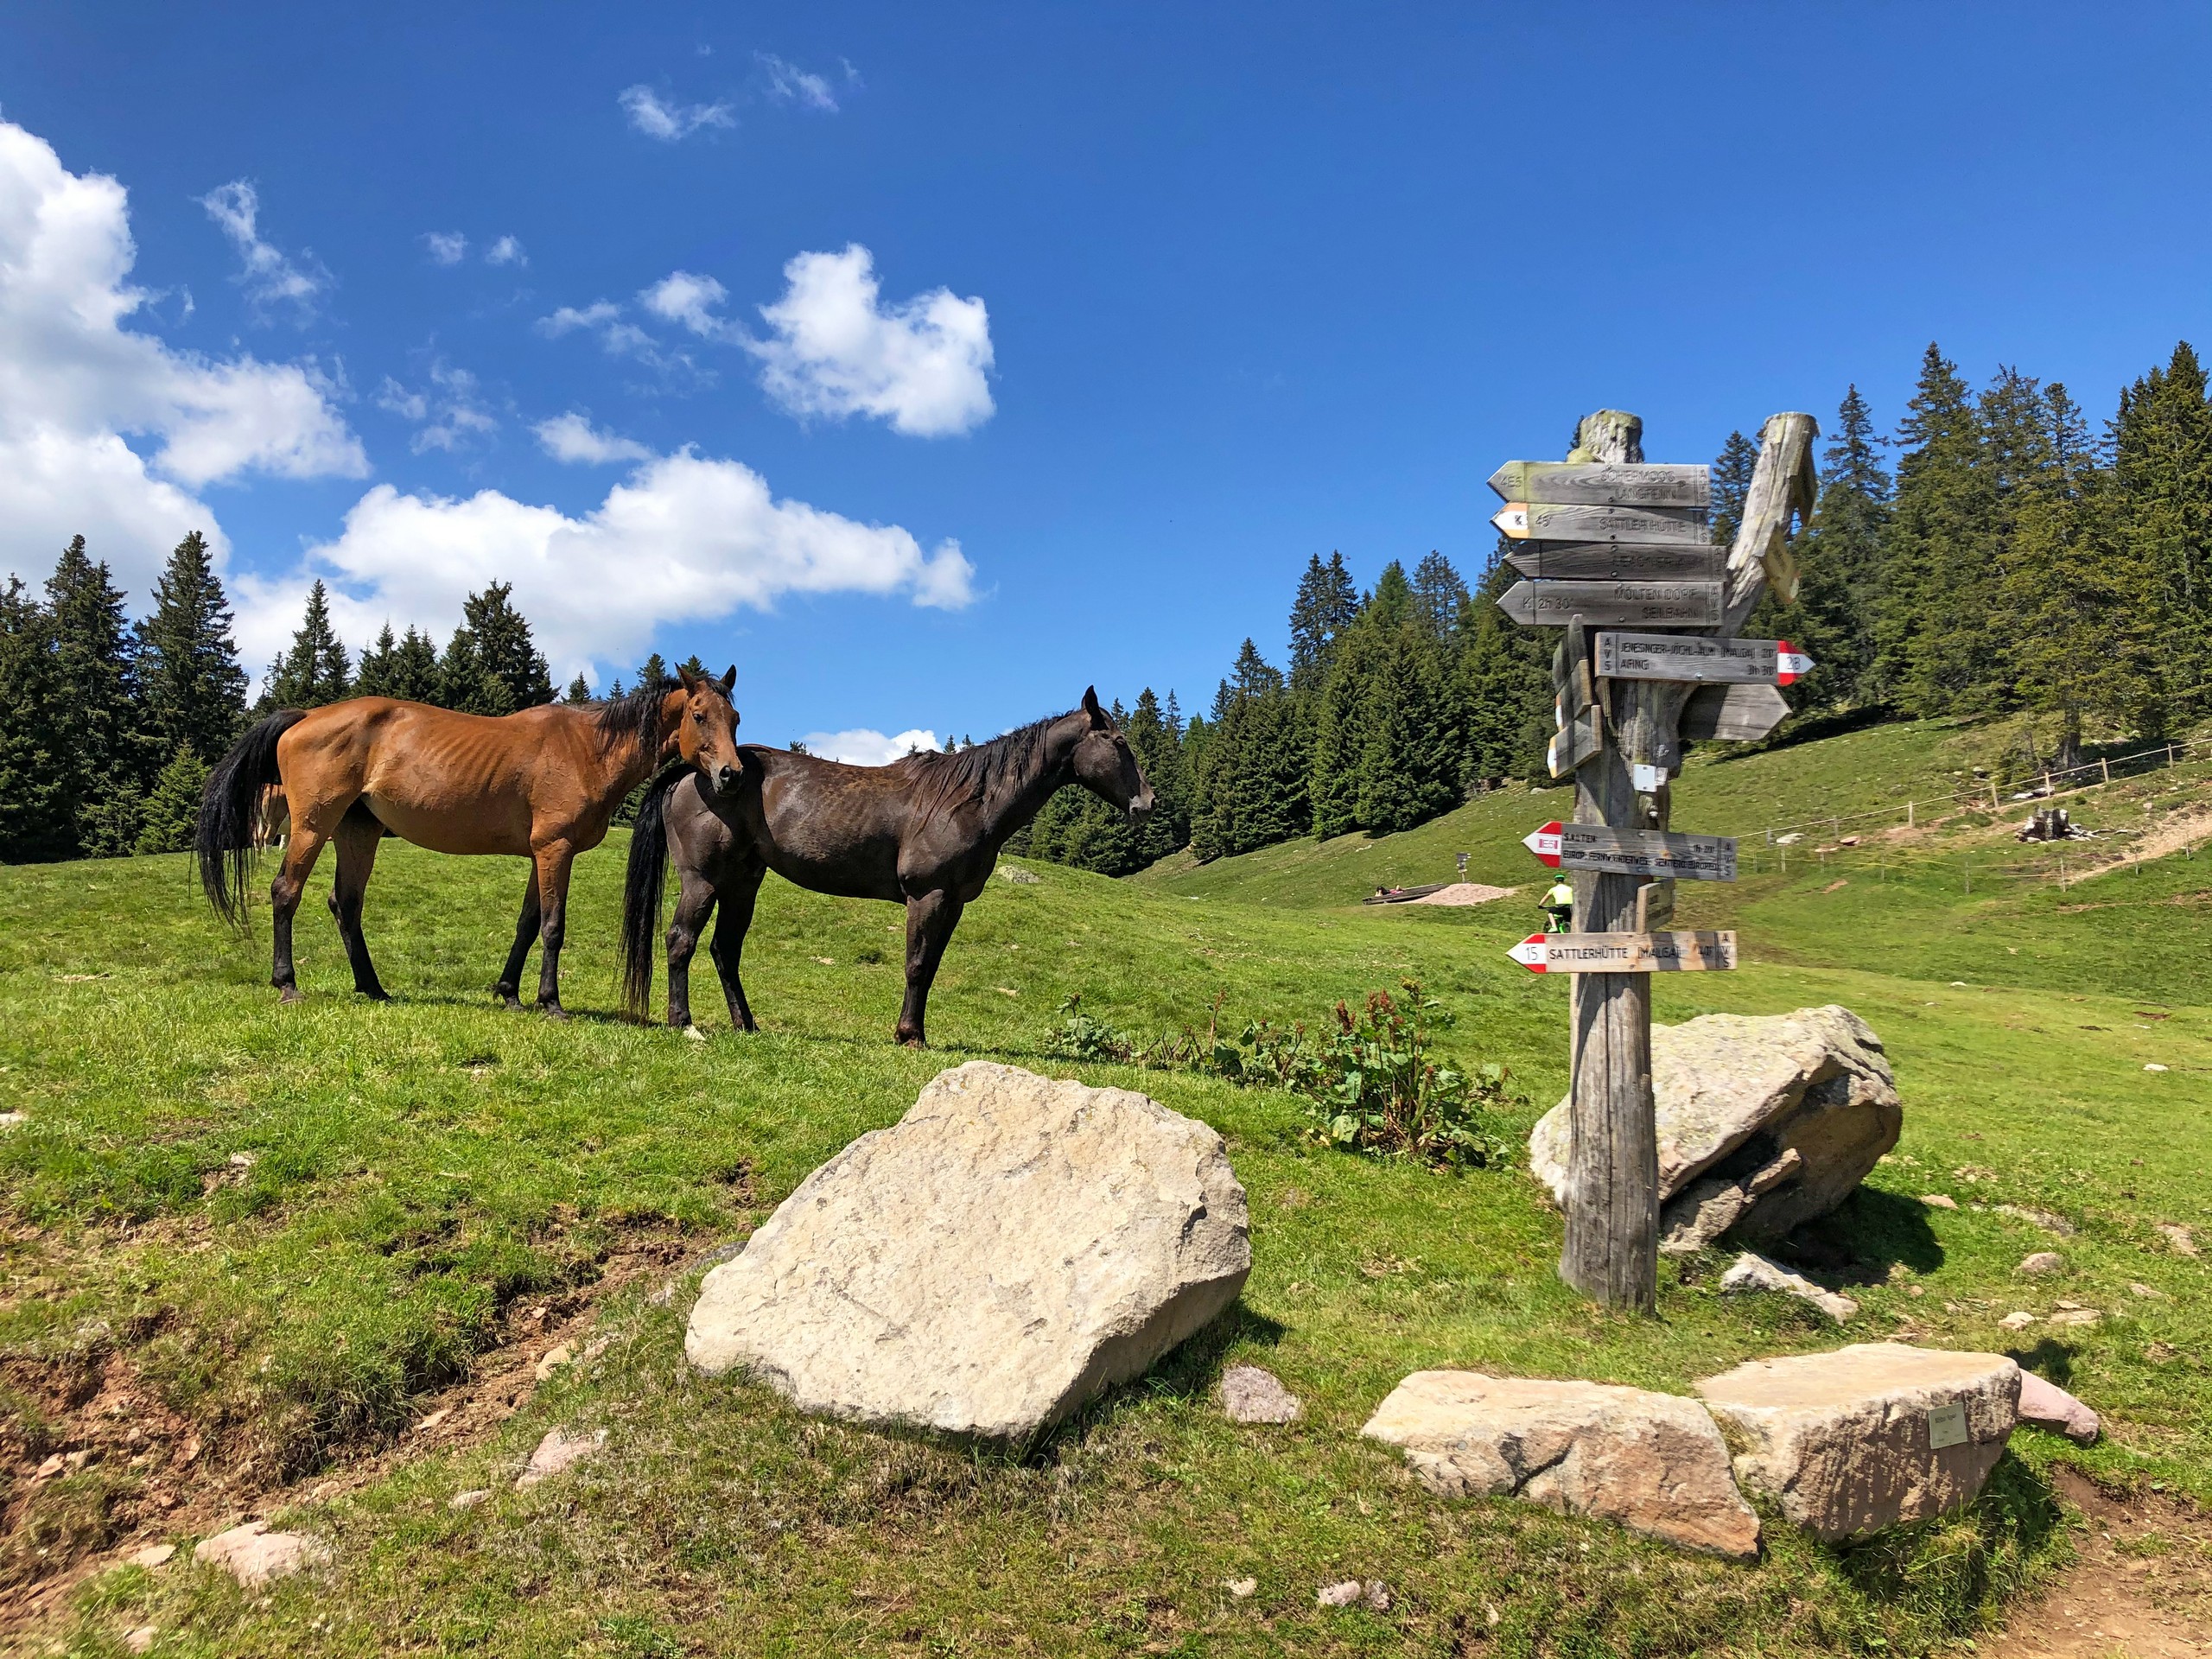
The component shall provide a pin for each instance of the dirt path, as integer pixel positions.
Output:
(2141, 1589)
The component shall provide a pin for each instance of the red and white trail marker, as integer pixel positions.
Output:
(1790, 665)
(1544, 844)
(1531, 953)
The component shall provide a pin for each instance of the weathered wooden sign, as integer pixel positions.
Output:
(1626, 953)
(1654, 604)
(1581, 739)
(1581, 734)
(1738, 713)
(1791, 663)
(1545, 522)
(1633, 852)
(1655, 905)
(1627, 484)
(1604, 560)
(1686, 656)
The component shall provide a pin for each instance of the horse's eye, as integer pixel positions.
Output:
(697, 718)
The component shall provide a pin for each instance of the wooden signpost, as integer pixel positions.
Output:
(1634, 852)
(1648, 604)
(1686, 656)
(1606, 494)
(1626, 953)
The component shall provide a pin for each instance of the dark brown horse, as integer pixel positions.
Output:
(543, 784)
(923, 831)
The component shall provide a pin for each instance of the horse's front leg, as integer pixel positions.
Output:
(553, 862)
(695, 903)
(509, 990)
(930, 918)
(738, 896)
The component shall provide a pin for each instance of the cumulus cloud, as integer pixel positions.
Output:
(446, 247)
(273, 280)
(789, 84)
(571, 318)
(657, 117)
(572, 439)
(835, 350)
(680, 296)
(508, 250)
(75, 384)
(863, 746)
(448, 414)
(619, 337)
(683, 538)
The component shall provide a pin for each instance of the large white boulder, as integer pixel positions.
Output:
(1765, 1122)
(1867, 1436)
(1011, 1247)
(1653, 1462)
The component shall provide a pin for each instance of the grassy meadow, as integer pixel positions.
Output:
(271, 1242)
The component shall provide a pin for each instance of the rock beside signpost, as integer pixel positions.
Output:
(1867, 1436)
(1765, 1122)
(1653, 1462)
(1010, 1248)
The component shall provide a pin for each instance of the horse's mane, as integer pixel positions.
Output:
(633, 718)
(987, 772)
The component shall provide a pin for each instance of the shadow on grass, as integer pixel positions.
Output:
(1859, 1240)
(2052, 1361)
(1189, 1371)
(1948, 1568)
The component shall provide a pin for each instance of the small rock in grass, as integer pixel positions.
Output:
(153, 1555)
(1751, 1271)
(554, 1358)
(1242, 1589)
(695, 1034)
(2145, 1290)
(52, 1466)
(1939, 1201)
(253, 1555)
(1249, 1395)
(2152, 1066)
(9, 1120)
(1340, 1595)
(1377, 1595)
(140, 1640)
(2076, 1315)
(432, 1420)
(2019, 1320)
(2178, 1236)
(2048, 1406)
(2040, 1263)
(468, 1500)
(2043, 1218)
(558, 1451)
(1020, 878)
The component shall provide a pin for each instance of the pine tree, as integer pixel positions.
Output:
(1928, 651)
(653, 671)
(2162, 465)
(1438, 595)
(1504, 687)
(192, 688)
(466, 684)
(413, 677)
(373, 675)
(1731, 485)
(106, 754)
(579, 690)
(1410, 759)
(1833, 619)
(1250, 783)
(173, 810)
(35, 822)
(1157, 746)
(315, 671)
(1324, 605)
(505, 648)
(1339, 719)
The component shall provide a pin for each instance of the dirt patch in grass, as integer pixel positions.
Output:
(2142, 1587)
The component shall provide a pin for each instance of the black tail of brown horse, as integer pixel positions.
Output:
(230, 814)
(642, 885)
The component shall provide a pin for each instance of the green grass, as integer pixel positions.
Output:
(416, 1179)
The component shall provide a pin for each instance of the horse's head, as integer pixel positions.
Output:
(1104, 764)
(705, 734)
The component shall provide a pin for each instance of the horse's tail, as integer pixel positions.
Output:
(641, 890)
(230, 814)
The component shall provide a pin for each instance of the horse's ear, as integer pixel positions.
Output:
(1091, 705)
(729, 681)
(689, 681)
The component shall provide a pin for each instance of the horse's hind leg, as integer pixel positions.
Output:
(695, 901)
(359, 832)
(284, 891)
(930, 921)
(730, 927)
(507, 990)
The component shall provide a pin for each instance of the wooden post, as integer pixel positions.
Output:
(2106, 762)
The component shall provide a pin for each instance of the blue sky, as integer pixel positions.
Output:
(1167, 298)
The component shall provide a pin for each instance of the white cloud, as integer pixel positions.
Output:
(74, 382)
(789, 84)
(862, 747)
(835, 351)
(619, 339)
(446, 247)
(273, 280)
(570, 318)
(572, 439)
(448, 414)
(508, 250)
(653, 116)
(684, 539)
(680, 296)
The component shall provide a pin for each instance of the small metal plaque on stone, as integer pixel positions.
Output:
(1947, 1426)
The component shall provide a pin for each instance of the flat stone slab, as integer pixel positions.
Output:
(253, 1555)
(1250, 1394)
(1866, 1437)
(1656, 1463)
(1010, 1248)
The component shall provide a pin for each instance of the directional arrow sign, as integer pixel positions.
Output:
(1634, 852)
(1626, 953)
(1653, 604)
(1604, 483)
(1685, 656)
(1581, 739)
(1544, 521)
(1603, 560)
(1791, 664)
(1738, 713)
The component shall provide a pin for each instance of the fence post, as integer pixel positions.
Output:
(1908, 815)
(1992, 791)
(2106, 762)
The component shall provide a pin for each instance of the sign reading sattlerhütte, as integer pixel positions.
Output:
(1626, 953)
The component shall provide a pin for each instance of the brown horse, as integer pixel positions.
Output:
(543, 784)
(923, 831)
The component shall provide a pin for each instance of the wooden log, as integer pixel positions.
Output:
(1687, 657)
(1650, 604)
(1617, 561)
(1784, 484)
(1597, 484)
(1738, 714)
(1581, 734)
(1541, 522)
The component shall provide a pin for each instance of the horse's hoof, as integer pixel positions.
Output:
(374, 993)
(553, 1010)
(915, 1043)
(289, 993)
(511, 1004)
